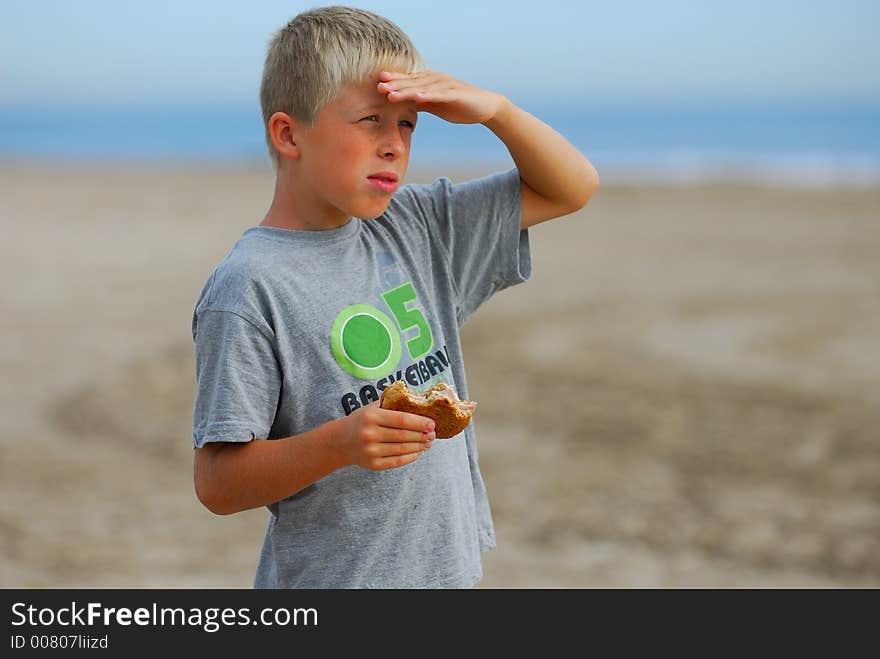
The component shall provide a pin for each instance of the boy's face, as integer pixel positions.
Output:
(356, 136)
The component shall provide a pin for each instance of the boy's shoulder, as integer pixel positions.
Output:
(472, 188)
(243, 262)
(429, 197)
(421, 190)
(239, 278)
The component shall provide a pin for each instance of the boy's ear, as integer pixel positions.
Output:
(283, 131)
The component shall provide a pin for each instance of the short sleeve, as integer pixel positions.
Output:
(238, 379)
(477, 226)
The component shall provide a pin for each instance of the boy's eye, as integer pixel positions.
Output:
(411, 125)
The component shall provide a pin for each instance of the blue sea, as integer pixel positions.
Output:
(795, 143)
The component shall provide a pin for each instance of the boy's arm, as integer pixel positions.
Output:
(556, 178)
(230, 477)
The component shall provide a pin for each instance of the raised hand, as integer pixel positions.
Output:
(452, 100)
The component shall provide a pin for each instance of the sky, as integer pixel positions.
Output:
(99, 53)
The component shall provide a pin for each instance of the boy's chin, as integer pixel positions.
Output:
(373, 213)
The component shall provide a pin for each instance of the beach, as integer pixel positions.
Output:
(685, 393)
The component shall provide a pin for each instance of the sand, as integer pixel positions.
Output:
(685, 393)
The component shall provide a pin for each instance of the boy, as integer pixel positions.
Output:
(349, 283)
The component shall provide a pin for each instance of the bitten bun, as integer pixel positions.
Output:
(450, 414)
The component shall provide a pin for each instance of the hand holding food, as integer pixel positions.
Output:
(450, 414)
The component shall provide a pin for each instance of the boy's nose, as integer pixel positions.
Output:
(391, 151)
(392, 146)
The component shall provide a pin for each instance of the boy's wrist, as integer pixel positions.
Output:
(334, 432)
(501, 113)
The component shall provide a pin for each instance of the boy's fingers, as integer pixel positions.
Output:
(395, 461)
(405, 421)
(400, 448)
(396, 435)
(422, 80)
(396, 75)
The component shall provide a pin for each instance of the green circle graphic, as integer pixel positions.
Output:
(365, 342)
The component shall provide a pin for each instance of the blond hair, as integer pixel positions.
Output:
(311, 59)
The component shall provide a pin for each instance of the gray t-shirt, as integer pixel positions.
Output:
(296, 328)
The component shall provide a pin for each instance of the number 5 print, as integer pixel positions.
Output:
(396, 300)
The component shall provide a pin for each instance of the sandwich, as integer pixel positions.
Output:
(451, 415)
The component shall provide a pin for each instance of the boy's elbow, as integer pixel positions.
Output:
(207, 492)
(207, 497)
(591, 185)
(586, 190)
(208, 500)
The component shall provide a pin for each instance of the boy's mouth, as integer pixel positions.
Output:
(386, 181)
(385, 176)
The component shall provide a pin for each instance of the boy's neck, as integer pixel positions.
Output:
(298, 210)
